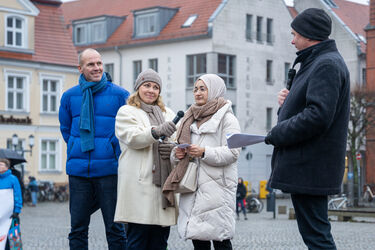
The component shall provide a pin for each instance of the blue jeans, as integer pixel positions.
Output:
(86, 196)
(147, 237)
(34, 196)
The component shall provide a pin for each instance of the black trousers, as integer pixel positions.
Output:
(218, 245)
(312, 219)
(146, 237)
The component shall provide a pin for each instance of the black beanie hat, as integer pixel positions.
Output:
(313, 23)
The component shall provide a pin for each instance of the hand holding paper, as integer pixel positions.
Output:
(242, 140)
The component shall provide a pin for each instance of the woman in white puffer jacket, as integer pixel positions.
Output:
(209, 213)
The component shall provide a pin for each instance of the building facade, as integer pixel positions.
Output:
(242, 41)
(37, 63)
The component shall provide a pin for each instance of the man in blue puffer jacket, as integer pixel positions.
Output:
(87, 123)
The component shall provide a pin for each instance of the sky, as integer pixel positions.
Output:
(290, 2)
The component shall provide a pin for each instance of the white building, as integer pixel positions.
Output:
(245, 42)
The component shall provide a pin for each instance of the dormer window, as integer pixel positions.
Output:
(15, 31)
(146, 25)
(150, 22)
(95, 30)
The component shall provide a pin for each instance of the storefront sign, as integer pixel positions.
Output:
(13, 120)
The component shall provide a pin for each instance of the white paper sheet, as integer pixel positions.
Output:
(242, 140)
(6, 210)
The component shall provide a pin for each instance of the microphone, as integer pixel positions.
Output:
(291, 75)
(175, 120)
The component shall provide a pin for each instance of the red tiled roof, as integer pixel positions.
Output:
(355, 16)
(52, 41)
(123, 35)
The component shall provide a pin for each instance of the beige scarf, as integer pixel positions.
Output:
(200, 114)
(162, 168)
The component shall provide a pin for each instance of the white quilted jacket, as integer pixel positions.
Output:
(209, 213)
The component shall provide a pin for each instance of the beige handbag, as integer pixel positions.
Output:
(189, 182)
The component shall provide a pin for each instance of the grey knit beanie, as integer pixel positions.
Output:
(313, 23)
(147, 75)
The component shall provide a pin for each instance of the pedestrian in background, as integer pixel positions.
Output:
(207, 214)
(11, 201)
(240, 196)
(310, 136)
(33, 186)
(87, 123)
(144, 165)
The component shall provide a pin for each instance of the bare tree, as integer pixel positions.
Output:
(361, 120)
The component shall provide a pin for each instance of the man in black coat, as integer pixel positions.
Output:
(310, 136)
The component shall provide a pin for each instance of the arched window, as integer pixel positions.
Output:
(15, 31)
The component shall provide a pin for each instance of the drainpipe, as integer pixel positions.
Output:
(120, 66)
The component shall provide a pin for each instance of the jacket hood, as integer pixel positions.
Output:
(6, 173)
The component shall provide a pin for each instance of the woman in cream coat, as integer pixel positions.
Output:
(209, 213)
(144, 165)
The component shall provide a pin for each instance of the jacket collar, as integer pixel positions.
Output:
(6, 173)
(307, 55)
(211, 125)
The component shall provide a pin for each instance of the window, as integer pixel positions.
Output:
(109, 68)
(15, 31)
(153, 64)
(364, 76)
(269, 119)
(146, 24)
(16, 93)
(50, 94)
(330, 3)
(49, 155)
(286, 70)
(226, 66)
(196, 66)
(189, 21)
(249, 21)
(81, 34)
(98, 32)
(259, 28)
(269, 71)
(137, 69)
(269, 31)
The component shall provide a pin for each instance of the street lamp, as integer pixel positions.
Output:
(22, 150)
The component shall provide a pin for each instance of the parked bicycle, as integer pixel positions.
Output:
(61, 193)
(368, 194)
(336, 203)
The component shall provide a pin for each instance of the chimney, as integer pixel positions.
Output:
(370, 87)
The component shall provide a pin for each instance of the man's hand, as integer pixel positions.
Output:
(282, 95)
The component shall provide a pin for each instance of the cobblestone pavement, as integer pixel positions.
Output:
(47, 226)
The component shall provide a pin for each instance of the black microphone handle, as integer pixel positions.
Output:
(291, 75)
(175, 120)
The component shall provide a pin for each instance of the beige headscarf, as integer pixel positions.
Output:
(200, 114)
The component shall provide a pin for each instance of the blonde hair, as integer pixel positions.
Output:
(135, 101)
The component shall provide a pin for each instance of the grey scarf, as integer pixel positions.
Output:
(161, 168)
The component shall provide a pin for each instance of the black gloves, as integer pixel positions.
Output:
(15, 216)
(165, 150)
(166, 129)
(267, 140)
